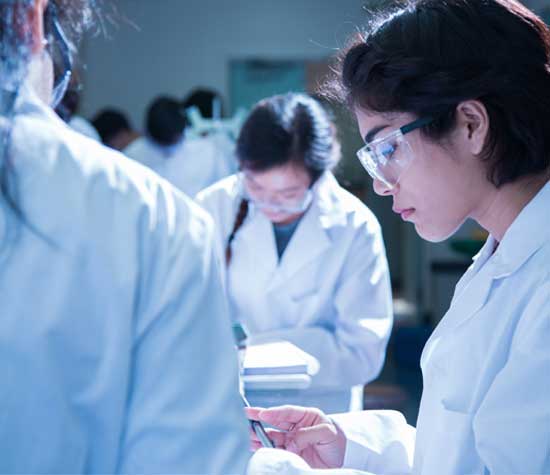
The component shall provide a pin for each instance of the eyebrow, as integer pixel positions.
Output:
(372, 133)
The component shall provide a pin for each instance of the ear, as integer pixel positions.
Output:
(473, 123)
(36, 24)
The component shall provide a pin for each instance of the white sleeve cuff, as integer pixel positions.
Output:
(377, 441)
(356, 454)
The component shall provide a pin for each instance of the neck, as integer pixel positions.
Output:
(40, 76)
(501, 206)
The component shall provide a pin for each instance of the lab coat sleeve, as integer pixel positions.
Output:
(378, 442)
(183, 410)
(512, 425)
(209, 205)
(352, 350)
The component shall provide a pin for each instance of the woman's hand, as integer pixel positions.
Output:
(307, 432)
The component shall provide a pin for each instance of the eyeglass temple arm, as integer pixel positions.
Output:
(417, 124)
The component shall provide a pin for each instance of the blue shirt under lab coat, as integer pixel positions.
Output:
(115, 349)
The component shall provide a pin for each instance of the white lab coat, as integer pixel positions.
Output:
(486, 402)
(330, 294)
(191, 165)
(225, 149)
(115, 351)
(84, 127)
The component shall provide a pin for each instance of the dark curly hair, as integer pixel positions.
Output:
(427, 56)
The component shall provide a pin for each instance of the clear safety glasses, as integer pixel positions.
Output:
(60, 52)
(386, 158)
(294, 203)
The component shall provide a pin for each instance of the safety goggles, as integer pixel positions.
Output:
(295, 204)
(60, 52)
(386, 158)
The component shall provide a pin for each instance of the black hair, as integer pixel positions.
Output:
(110, 122)
(427, 57)
(166, 121)
(288, 128)
(203, 100)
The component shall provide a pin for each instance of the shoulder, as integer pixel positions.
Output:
(80, 124)
(199, 145)
(335, 200)
(223, 192)
(535, 272)
(136, 148)
(197, 141)
(530, 288)
(76, 185)
(538, 273)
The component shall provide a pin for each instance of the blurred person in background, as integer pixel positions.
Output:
(114, 128)
(189, 163)
(305, 260)
(209, 104)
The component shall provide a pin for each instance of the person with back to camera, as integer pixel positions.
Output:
(115, 351)
(452, 100)
(305, 259)
(189, 163)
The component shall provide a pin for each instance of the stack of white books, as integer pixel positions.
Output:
(277, 365)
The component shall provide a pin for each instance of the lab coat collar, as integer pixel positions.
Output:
(525, 236)
(312, 236)
(258, 238)
(529, 231)
(28, 102)
(328, 202)
(310, 239)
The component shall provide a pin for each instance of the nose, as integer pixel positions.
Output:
(383, 189)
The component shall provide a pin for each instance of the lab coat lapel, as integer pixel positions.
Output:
(308, 242)
(467, 302)
(257, 238)
(311, 239)
(472, 298)
(471, 292)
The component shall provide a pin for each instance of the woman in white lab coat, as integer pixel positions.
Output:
(108, 287)
(452, 100)
(305, 259)
(189, 163)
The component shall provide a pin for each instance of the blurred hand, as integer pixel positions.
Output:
(307, 432)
